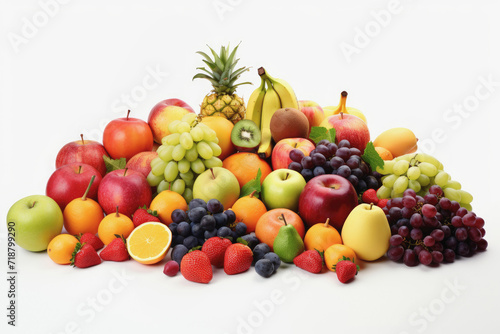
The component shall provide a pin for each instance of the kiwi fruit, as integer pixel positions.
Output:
(245, 135)
(289, 123)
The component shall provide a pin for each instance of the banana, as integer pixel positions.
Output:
(254, 107)
(331, 110)
(283, 89)
(270, 104)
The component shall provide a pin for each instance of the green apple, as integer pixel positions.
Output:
(366, 230)
(36, 220)
(282, 189)
(219, 183)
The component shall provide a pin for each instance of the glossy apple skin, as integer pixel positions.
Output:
(141, 162)
(126, 188)
(349, 127)
(125, 137)
(281, 152)
(165, 112)
(219, 183)
(314, 113)
(282, 189)
(70, 181)
(327, 196)
(85, 151)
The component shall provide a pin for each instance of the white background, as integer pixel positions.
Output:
(71, 74)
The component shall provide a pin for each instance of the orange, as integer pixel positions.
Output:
(61, 247)
(82, 215)
(335, 252)
(115, 223)
(222, 127)
(149, 242)
(321, 236)
(384, 153)
(249, 209)
(245, 166)
(270, 222)
(166, 202)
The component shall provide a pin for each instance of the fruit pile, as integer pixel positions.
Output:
(235, 186)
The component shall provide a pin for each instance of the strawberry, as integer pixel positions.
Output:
(237, 259)
(310, 261)
(85, 256)
(91, 239)
(382, 203)
(346, 269)
(370, 196)
(116, 250)
(215, 248)
(196, 267)
(144, 215)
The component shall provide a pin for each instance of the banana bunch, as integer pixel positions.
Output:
(273, 94)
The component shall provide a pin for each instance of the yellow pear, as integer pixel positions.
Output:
(366, 230)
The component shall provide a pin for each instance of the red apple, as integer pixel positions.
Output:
(313, 112)
(349, 127)
(88, 152)
(70, 181)
(141, 162)
(126, 188)
(127, 136)
(165, 112)
(327, 196)
(280, 156)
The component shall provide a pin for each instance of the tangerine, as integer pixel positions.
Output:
(336, 252)
(270, 222)
(321, 236)
(222, 127)
(249, 209)
(61, 247)
(112, 224)
(166, 202)
(245, 165)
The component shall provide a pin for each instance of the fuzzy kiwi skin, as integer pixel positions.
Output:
(289, 123)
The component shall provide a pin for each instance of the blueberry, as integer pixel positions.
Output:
(208, 223)
(215, 206)
(183, 229)
(274, 258)
(240, 229)
(196, 214)
(210, 234)
(197, 202)
(251, 239)
(259, 251)
(178, 216)
(197, 231)
(178, 252)
(224, 231)
(231, 217)
(220, 219)
(190, 242)
(264, 267)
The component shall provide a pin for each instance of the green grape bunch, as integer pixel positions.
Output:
(189, 149)
(419, 171)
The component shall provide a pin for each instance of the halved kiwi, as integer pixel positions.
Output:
(245, 135)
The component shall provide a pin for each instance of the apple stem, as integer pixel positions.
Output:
(253, 193)
(327, 222)
(371, 206)
(341, 115)
(212, 171)
(117, 213)
(287, 175)
(79, 169)
(283, 217)
(125, 171)
(88, 188)
(33, 205)
(128, 113)
(81, 136)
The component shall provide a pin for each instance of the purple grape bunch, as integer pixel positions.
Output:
(432, 229)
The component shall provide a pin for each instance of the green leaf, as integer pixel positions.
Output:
(372, 157)
(319, 133)
(251, 186)
(114, 164)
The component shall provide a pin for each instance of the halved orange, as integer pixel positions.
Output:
(149, 242)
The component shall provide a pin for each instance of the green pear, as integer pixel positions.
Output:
(366, 231)
(288, 243)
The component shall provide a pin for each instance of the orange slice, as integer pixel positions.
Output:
(149, 242)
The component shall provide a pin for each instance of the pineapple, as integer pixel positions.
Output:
(222, 101)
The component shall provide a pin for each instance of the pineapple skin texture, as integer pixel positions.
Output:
(231, 107)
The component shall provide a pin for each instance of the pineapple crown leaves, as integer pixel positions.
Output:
(345, 259)
(221, 73)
